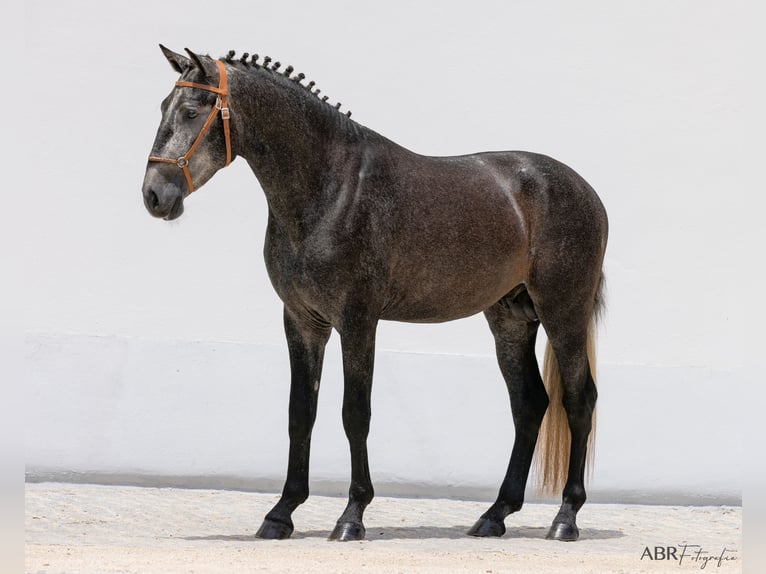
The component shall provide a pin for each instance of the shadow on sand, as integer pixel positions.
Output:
(423, 533)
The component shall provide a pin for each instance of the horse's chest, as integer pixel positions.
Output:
(312, 273)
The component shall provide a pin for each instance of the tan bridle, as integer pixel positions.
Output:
(221, 104)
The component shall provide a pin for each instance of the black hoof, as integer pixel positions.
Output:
(345, 531)
(563, 532)
(485, 527)
(272, 530)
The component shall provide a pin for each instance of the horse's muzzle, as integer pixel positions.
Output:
(164, 200)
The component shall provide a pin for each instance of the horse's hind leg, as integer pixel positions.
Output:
(579, 398)
(306, 340)
(567, 325)
(515, 331)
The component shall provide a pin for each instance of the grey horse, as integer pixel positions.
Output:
(361, 229)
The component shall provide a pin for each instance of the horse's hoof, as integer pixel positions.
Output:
(485, 527)
(273, 530)
(345, 531)
(563, 532)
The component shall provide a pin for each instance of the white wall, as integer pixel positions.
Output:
(155, 349)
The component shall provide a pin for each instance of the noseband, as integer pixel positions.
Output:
(220, 104)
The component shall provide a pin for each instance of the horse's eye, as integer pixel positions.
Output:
(189, 111)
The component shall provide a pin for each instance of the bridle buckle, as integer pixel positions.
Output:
(223, 109)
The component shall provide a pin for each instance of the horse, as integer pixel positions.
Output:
(361, 230)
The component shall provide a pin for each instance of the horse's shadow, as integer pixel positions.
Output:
(422, 533)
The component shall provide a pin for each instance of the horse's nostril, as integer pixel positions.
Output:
(154, 201)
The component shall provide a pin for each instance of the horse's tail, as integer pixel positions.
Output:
(553, 443)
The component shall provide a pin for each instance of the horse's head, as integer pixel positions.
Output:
(193, 140)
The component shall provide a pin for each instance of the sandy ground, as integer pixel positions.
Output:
(107, 529)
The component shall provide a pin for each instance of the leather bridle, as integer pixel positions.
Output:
(221, 105)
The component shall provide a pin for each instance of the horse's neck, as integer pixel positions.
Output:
(291, 140)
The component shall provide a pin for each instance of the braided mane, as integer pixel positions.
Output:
(267, 65)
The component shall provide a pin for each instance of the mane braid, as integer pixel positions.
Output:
(287, 73)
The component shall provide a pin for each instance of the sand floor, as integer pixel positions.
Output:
(113, 529)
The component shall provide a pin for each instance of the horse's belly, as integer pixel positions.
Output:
(449, 291)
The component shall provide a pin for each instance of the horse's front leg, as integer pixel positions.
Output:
(306, 340)
(358, 347)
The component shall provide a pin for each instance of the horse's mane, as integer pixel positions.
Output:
(267, 65)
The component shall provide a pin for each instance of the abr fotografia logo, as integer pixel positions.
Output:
(690, 554)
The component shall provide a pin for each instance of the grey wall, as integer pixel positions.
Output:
(153, 352)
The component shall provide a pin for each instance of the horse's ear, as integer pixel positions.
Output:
(178, 62)
(204, 64)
